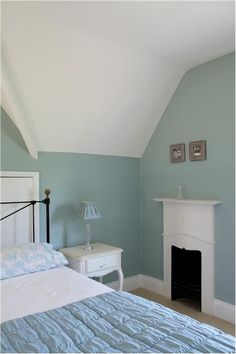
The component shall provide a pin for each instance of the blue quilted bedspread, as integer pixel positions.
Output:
(112, 322)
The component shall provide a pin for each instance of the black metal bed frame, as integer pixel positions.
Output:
(45, 201)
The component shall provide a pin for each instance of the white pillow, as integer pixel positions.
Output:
(29, 258)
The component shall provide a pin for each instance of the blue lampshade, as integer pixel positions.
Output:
(89, 211)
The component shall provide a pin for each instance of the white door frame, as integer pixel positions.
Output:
(35, 176)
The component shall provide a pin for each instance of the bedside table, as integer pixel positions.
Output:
(97, 262)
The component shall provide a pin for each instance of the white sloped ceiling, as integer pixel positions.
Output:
(95, 77)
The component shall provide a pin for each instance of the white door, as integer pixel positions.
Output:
(19, 186)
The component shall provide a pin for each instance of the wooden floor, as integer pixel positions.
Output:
(187, 307)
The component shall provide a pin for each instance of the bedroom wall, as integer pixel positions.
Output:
(112, 182)
(202, 108)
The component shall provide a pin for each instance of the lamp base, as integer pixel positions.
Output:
(88, 247)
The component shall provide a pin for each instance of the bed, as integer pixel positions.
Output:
(49, 308)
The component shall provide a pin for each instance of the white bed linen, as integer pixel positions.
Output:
(41, 291)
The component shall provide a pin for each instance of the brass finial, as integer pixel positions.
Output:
(47, 192)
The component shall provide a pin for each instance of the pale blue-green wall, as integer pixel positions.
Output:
(112, 182)
(202, 108)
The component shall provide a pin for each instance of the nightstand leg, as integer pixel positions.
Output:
(120, 278)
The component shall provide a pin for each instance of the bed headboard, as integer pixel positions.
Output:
(45, 201)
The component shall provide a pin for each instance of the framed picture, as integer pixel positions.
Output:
(177, 153)
(197, 150)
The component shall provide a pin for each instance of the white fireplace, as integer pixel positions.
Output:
(190, 224)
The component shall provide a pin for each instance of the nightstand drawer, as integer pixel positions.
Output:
(100, 263)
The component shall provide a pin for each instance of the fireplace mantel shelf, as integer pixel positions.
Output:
(187, 201)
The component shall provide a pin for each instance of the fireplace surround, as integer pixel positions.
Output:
(190, 224)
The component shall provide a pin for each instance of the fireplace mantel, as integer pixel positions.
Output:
(190, 224)
(187, 201)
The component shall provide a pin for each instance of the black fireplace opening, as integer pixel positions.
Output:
(186, 274)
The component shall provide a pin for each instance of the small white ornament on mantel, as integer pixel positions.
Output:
(180, 194)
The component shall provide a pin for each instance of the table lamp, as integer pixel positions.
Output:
(88, 211)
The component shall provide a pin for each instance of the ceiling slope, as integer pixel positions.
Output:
(96, 77)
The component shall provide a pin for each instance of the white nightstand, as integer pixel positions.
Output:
(97, 262)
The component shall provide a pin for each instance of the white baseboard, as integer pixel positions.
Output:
(152, 284)
(222, 309)
(130, 283)
(140, 281)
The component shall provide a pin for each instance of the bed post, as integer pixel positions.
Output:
(33, 202)
(47, 202)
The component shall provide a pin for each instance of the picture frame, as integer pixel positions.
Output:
(177, 153)
(197, 150)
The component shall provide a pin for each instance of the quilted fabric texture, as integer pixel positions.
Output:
(112, 322)
(29, 258)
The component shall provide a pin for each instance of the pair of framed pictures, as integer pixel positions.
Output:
(197, 151)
